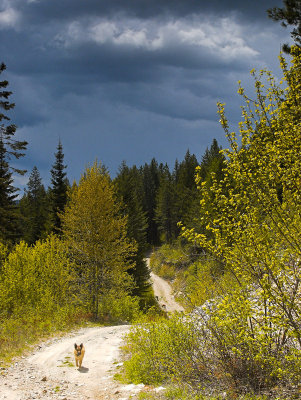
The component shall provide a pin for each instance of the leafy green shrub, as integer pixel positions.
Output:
(36, 280)
(3, 254)
(174, 256)
(164, 350)
(118, 306)
(220, 345)
(246, 346)
(197, 283)
(36, 293)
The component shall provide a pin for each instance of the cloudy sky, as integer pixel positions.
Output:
(129, 79)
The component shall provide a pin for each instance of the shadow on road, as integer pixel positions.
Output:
(83, 370)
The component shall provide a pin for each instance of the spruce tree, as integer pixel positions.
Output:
(10, 148)
(151, 179)
(212, 161)
(186, 191)
(33, 207)
(59, 188)
(165, 212)
(129, 189)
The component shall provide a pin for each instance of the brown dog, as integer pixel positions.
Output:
(79, 352)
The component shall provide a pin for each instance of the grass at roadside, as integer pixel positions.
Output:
(17, 336)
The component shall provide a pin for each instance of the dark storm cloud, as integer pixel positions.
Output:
(75, 45)
(132, 54)
(45, 33)
(129, 79)
(47, 10)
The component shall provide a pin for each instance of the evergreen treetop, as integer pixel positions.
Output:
(59, 186)
(290, 14)
(10, 148)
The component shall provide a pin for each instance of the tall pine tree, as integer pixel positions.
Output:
(165, 211)
(10, 148)
(213, 161)
(186, 191)
(151, 179)
(129, 189)
(33, 207)
(59, 187)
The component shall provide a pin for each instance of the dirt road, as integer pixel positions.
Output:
(49, 372)
(164, 293)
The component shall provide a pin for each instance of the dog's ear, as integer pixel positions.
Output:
(75, 345)
(81, 345)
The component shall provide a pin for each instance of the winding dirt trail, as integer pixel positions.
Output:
(49, 371)
(164, 293)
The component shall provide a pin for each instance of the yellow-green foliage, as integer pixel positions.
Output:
(161, 350)
(169, 259)
(184, 393)
(35, 280)
(255, 228)
(96, 232)
(118, 306)
(35, 292)
(198, 284)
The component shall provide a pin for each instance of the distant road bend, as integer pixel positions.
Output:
(164, 293)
